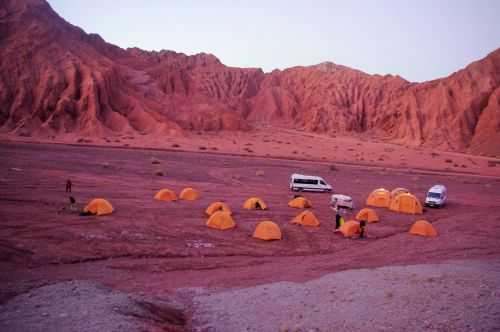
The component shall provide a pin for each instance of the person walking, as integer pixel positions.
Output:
(68, 186)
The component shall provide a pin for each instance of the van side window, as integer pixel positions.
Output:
(305, 181)
(322, 182)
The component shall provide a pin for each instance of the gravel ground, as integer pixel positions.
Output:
(455, 296)
(85, 306)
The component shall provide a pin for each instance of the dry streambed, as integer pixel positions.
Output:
(453, 296)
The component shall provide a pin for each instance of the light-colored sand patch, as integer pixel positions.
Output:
(85, 306)
(455, 296)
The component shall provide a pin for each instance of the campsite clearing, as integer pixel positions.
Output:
(159, 248)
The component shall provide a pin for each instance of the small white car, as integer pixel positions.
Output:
(301, 182)
(436, 196)
(342, 201)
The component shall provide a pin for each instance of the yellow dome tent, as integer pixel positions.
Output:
(221, 220)
(423, 228)
(166, 195)
(406, 203)
(189, 194)
(99, 206)
(299, 203)
(217, 206)
(398, 191)
(379, 197)
(255, 203)
(368, 215)
(350, 228)
(306, 218)
(267, 230)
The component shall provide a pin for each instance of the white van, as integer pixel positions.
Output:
(300, 182)
(436, 196)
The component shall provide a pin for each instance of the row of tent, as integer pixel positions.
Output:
(398, 200)
(220, 213)
(188, 194)
(250, 204)
(220, 217)
(100, 206)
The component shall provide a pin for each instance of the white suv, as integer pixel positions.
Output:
(342, 201)
(436, 196)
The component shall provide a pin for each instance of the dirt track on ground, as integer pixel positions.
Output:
(157, 247)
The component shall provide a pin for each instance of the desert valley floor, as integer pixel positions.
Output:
(162, 251)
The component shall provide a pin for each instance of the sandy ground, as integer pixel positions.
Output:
(298, 145)
(453, 296)
(156, 248)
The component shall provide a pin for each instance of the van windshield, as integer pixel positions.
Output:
(434, 195)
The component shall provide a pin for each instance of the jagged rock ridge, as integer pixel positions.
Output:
(56, 79)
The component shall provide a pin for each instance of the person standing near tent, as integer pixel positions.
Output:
(338, 218)
(362, 226)
(68, 185)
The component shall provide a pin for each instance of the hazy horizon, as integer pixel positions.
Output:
(418, 41)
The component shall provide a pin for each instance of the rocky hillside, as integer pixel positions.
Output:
(56, 79)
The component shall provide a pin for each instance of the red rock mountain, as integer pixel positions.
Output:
(56, 79)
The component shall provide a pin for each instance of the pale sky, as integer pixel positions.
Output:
(418, 40)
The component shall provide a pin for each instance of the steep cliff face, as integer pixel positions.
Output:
(446, 113)
(55, 79)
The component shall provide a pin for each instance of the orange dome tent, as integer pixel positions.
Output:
(368, 215)
(221, 220)
(306, 218)
(255, 203)
(379, 197)
(217, 206)
(267, 230)
(423, 228)
(398, 191)
(350, 228)
(99, 206)
(299, 203)
(189, 194)
(406, 203)
(166, 195)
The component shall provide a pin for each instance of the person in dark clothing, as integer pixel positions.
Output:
(362, 226)
(72, 203)
(68, 186)
(258, 206)
(84, 214)
(337, 218)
